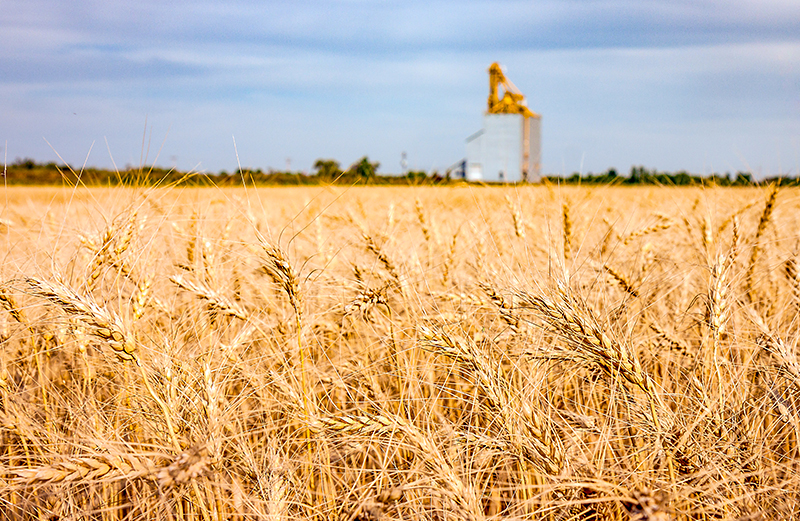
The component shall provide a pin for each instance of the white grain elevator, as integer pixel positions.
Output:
(508, 148)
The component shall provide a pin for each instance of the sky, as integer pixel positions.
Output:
(703, 86)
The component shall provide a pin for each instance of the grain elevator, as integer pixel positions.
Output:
(508, 147)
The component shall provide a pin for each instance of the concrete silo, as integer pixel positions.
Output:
(508, 148)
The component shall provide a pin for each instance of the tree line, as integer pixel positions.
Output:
(640, 175)
(364, 171)
(28, 172)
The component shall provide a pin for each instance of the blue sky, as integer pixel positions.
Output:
(668, 84)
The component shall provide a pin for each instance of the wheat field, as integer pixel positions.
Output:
(471, 353)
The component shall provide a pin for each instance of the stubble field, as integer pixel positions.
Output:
(344, 353)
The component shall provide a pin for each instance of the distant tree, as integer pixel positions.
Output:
(26, 163)
(327, 168)
(363, 168)
(743, 179)
(682, 178)
(635, 176)
(416, 175)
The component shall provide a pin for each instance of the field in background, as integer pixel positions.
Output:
(399, 353)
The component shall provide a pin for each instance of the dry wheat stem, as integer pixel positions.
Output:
(586, 340)
(718, 314)
(423, 221)
(186, 467)
(376, 250)
(516, 218)
(623, 282)
(8, 302)
(278, 267)
(367, 299)
(766, 214)
(535, 439)
(443, 405)
(776, 346)
(567, 231)
(100, 322)
(504, 307)
(793, 276)
(87, 469)
(141, 297)
(707, 234)
(449, 260)
(389, 425)
(215, 301)
(671, 341)
(663, 225)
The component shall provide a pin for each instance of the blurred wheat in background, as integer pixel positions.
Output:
(467, 353)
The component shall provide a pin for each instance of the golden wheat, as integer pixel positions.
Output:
(384, 361)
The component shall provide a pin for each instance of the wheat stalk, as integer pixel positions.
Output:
(567, 230)
(141, 297)
(123, 241)
(718, 312)
(449, 260)
(102, 324)
(367, 299)
(707, 234)
(659, 226)
(671, 341)
(776, 346)
(735, 235)
(423, 221)
(278, 267)
(533, 437)
(8, 302)
(382, 257)
(114, 243)
(186, 467)
(215, 301)
(207, 256)
(623, 282)
(516, 218)
(87, 469)
(766, 214)
(792, 273)
(504, 307)
(587, 341)
(99, 322)
(276, 486)
(388, 425)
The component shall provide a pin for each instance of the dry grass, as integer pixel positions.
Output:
(387, 353)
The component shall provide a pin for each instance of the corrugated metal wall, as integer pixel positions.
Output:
(475, 156)
(495, 153)
(535, 150)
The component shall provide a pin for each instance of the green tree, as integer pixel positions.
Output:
(416, 175)
(743, 179)
(327, 168)
(363, 168)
